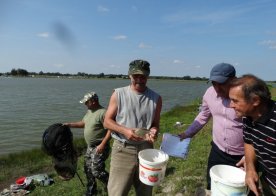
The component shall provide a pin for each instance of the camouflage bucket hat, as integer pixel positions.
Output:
(139, 67)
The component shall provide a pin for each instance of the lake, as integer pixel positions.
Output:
(29, 105)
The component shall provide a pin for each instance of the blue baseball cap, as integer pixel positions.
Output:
(221, 72)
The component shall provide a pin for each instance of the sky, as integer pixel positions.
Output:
(177, 37)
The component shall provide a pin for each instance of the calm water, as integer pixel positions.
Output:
(29, 105)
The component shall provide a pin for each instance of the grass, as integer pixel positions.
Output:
(273, 93)
(185, 176)
(182, 176)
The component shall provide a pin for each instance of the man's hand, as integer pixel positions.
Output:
(100, 149)
(241, 164)
(130, 135)
(252, 181)
(182, 136)
(152, 135)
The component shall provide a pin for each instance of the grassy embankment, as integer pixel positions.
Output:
(182, 176)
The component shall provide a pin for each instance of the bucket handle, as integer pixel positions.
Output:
(223, 194)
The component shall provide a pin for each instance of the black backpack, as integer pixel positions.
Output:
(57, 142)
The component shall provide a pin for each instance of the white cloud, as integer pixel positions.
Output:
(143, 45)
(43, 35)
(102, 9)
(176, 61)
(119, 37)
(271, 44)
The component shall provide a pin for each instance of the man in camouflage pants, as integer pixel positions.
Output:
(94, 167)
(97, 139)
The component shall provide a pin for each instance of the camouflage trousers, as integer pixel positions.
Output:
(94, 168)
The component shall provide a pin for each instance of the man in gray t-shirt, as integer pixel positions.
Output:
(131, 109)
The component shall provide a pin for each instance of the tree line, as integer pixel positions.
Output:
(24, 73)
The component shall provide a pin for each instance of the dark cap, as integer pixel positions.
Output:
(221, 72)
(139, 67)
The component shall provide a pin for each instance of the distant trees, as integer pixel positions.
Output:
(82, 74)
(19, 72)
(24, 73)
(101, 75)
(186, 77)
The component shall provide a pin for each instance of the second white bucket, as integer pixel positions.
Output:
(152, 166)
(227, 181)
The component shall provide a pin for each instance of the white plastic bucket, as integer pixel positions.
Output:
(152, 166)
(227, 181)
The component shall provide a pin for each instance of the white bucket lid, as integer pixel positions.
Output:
(228, 175)
(153, 156)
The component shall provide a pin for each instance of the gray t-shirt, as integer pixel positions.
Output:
(135, 110)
